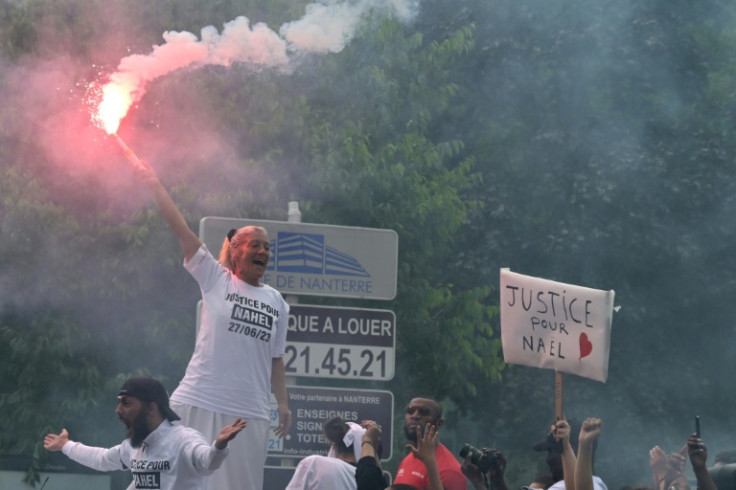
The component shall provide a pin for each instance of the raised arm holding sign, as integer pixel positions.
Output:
(566, 328)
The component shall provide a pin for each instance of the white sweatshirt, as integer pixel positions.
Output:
(317, 472)
(242, 329)
(172, 457)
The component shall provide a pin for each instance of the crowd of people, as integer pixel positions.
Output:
(238, 362)
(162, 453)
(570, 454)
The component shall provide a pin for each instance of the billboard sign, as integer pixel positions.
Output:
(311, 406)
(344, 343)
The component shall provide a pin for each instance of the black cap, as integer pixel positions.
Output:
(549, 443)
(149, 390)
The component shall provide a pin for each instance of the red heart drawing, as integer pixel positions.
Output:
(586, 346)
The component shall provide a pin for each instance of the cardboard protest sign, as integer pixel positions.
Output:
(553, 325)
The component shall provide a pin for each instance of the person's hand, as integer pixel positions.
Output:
(145, 173)
(589, 431)
(284, 420)
(229, 432)
(472, 472)
(666, 468)
(697, 451)
(561, 431)
(495, 474)
(371, 441)
(676, 461)
(426, 442)
(372, 433)
(658, 461)
(54, 442)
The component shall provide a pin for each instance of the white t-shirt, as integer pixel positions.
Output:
(242, 329)
(597, 485)
(318, 472)
(172, 457)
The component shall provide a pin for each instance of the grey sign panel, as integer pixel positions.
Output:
(320, 260)
(346, 343)
(311, 406)
(277, 477)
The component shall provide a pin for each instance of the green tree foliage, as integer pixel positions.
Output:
(48, 375)
(361, 154)
(364, 161)
(603, 134)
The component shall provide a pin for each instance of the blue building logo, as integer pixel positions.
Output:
(306, 253)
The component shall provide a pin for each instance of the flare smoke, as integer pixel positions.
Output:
(325, 28)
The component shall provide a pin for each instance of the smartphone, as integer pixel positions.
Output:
(697, 425)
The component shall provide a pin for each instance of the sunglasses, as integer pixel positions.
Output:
(422, 411)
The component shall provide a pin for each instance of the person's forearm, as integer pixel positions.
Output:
(97, 458)
(568, 466)
(680, 483)
(278, 381)
(368, 449)
(433, 474)
(207, 458)
(189, 242)
(584, 468)
(476, 481)
(278, 388)
(705, 482)
(499, 484)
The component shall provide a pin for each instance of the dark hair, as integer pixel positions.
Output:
(724, 476)
(726, 457)
(434, 403)
(335, 430)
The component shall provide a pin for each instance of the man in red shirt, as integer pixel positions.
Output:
(412, 474)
